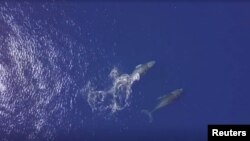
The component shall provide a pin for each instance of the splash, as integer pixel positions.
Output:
(116, 97)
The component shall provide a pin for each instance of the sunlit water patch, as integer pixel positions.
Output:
(46, 57)
(40, 67)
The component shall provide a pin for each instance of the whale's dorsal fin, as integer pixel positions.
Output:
(138, 66)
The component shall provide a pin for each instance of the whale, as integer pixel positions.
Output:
(141, 69)
(163, 101)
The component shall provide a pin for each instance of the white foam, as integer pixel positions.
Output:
(114, 99)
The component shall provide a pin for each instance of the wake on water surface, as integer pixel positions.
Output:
(116, 97)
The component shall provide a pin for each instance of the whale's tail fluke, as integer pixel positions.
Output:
(149, 114)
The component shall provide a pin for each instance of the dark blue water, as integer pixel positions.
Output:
(56, 59)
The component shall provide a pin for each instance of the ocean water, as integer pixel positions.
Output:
(66, 69)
